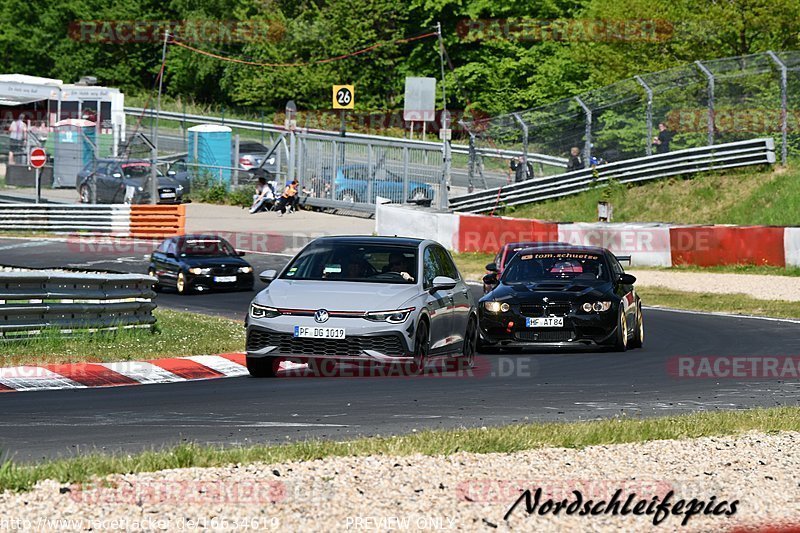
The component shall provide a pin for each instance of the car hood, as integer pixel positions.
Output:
(228, 260)
(336, 295)
(559, 289)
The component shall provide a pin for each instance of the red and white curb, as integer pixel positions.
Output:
(87, 375)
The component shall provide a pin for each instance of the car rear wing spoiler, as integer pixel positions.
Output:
(623, 258)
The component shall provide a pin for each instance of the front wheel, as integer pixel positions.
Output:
(467, 359)
(180, 284)
(421, 349)
(621, 342)
(263, 367)
(638, 335)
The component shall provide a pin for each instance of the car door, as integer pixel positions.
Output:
(623, 291)
(171, 263)
(439, 303)
(461, 304)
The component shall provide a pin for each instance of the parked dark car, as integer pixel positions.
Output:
(251, 155)
(199, 263)
(120, 181)
(561, 296)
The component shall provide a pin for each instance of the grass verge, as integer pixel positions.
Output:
(177, 334)
(21, 477)
(719, 303)
(749, 196)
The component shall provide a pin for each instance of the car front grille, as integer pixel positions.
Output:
(545, 336)
(349, 346)
(224, 271)
(541, 310)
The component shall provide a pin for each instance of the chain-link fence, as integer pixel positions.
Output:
(704, 103)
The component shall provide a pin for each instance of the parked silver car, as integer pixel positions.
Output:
(389, 300)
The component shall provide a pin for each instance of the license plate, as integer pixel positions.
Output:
(549, 322)
(167, 195)
(312, 332)
(225, 279)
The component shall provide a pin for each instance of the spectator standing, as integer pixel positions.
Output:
(575, 161)
(518, 168)
(16, 133)
(663, 139)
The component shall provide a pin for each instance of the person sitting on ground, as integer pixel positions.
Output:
(287, 198)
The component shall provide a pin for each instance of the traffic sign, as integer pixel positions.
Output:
(37, 157)
(343, 97)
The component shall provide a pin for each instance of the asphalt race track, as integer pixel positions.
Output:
(504, 388)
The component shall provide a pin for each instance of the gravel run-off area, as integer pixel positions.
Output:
(762, 287)
(465, 491)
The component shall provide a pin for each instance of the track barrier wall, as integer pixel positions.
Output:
(650, 244)
(122, 220)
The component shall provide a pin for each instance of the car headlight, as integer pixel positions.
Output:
(262, 311)
(596, 306)
(140, 189)
(397, 316)
(245, 270)
(198, 270)
(496, 307)
(179, 188)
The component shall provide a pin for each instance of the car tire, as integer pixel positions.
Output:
(157, 284)
(348, 196)
(180, 283)
(263, 367)
(421, 349)
(638, 336)
(621, 340)
(467, 359)
(85, 194)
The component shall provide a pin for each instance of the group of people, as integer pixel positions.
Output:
(288, 201)
(660, 141)
(18, 131)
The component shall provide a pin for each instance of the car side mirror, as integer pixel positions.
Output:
(268, 276)
(240, 253)
(627, 279)
(490, 279)
(491, 267)
(442, 283)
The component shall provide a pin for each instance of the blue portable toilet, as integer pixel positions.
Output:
(210, 146)
(73, 149)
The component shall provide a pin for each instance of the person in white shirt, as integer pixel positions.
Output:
(16, 133)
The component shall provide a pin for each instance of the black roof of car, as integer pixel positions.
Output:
(567, 248)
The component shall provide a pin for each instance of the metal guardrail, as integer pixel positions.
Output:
(34, 302)
(65, 218)
(275, 128)
(689, 161)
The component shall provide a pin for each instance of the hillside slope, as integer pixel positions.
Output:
(752, 196)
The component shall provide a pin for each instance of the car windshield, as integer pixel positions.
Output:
(138, 170)
(532, 266)
(206, 248)
(353, 261)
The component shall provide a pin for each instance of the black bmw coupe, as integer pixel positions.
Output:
(562, 295)
(198, 263)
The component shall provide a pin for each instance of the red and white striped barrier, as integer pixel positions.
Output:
(648, 244)
(87, 375)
